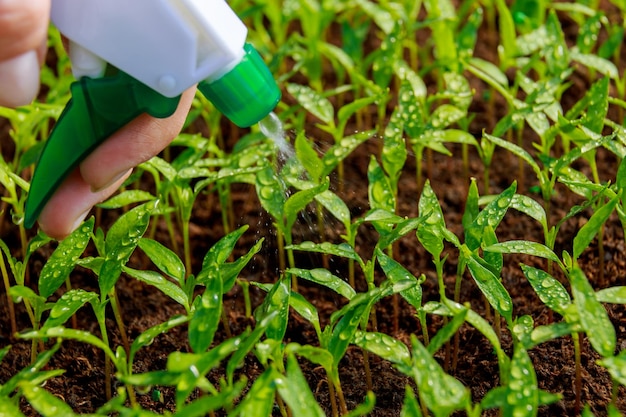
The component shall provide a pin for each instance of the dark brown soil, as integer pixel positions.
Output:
(82, 384)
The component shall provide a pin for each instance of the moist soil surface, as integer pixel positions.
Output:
(82, 385)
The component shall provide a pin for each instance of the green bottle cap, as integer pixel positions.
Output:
(245, 94)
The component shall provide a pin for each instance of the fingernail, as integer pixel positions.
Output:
(19, 79)
(112, 181)
(79, 220)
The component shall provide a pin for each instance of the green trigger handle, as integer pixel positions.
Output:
(98, 108)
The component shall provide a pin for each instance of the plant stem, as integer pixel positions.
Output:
(331, 395)
(577, 372)
(7, 286)
(368, 372)
(118, 319)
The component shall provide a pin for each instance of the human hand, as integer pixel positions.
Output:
(23, 35)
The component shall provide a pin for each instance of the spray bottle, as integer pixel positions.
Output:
(134, 57)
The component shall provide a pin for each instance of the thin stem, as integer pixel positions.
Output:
(118, 320)
(7, 286)
(368, 372)
(331, 394)
(578, 373)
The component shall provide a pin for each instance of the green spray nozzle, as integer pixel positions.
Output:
(245, 94)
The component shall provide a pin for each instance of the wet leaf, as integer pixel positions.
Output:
(46, 404)
(313, 102)
(551, 292)
(127, 198)
(121, 241)
(326, 278)
(446, 332)
(614, 295)
(442, 393)
(167, 287)
(309, 158)
(164, 259)
(490, 216)
(63, 260)
(340, 150)
(67, 305)
(593, 316)
(206, 316)
(590, 229)
(295, 390)
(342, 249)
(396, 273)
(148, 336)
(276, 305)
(271, 192)
(383, 346)
(410, 407)
(490, 285)
(259, 401)
(616, 366)
(524, 247)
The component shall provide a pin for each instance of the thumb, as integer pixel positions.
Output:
(23, 33)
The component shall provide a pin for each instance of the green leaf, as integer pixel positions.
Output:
(296, 392)
(9, 409)
(167, 287)
(276, 305)
(349, 109)
(523, 395)
(342, 249)
(121, 241)
(489, 284)
(446, 332)
(244, 347)
(614, 295)
(396, 273)
(309, 157)
(410, 407)
(313, 102)
(306, 310)
(394, 152)
(335, 205)
(63, 260)
(525, 247)
(46, 404)
(430, 234)
(593, 316)
(164, 259)
(490, 216)
(326, 278)
(556, 52)
(384, 346)
(345, 329)
(590, 229)
(206, 316)
(208, 403)
(259, 401)
(340, 150)
(616, 365)
(549, 289)
(545, 333)
(72, 334)
(148, 336)
(216, 257)
(298, 201)
(272, 193)
(127, 198)
(67, 305)
(442, 393)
